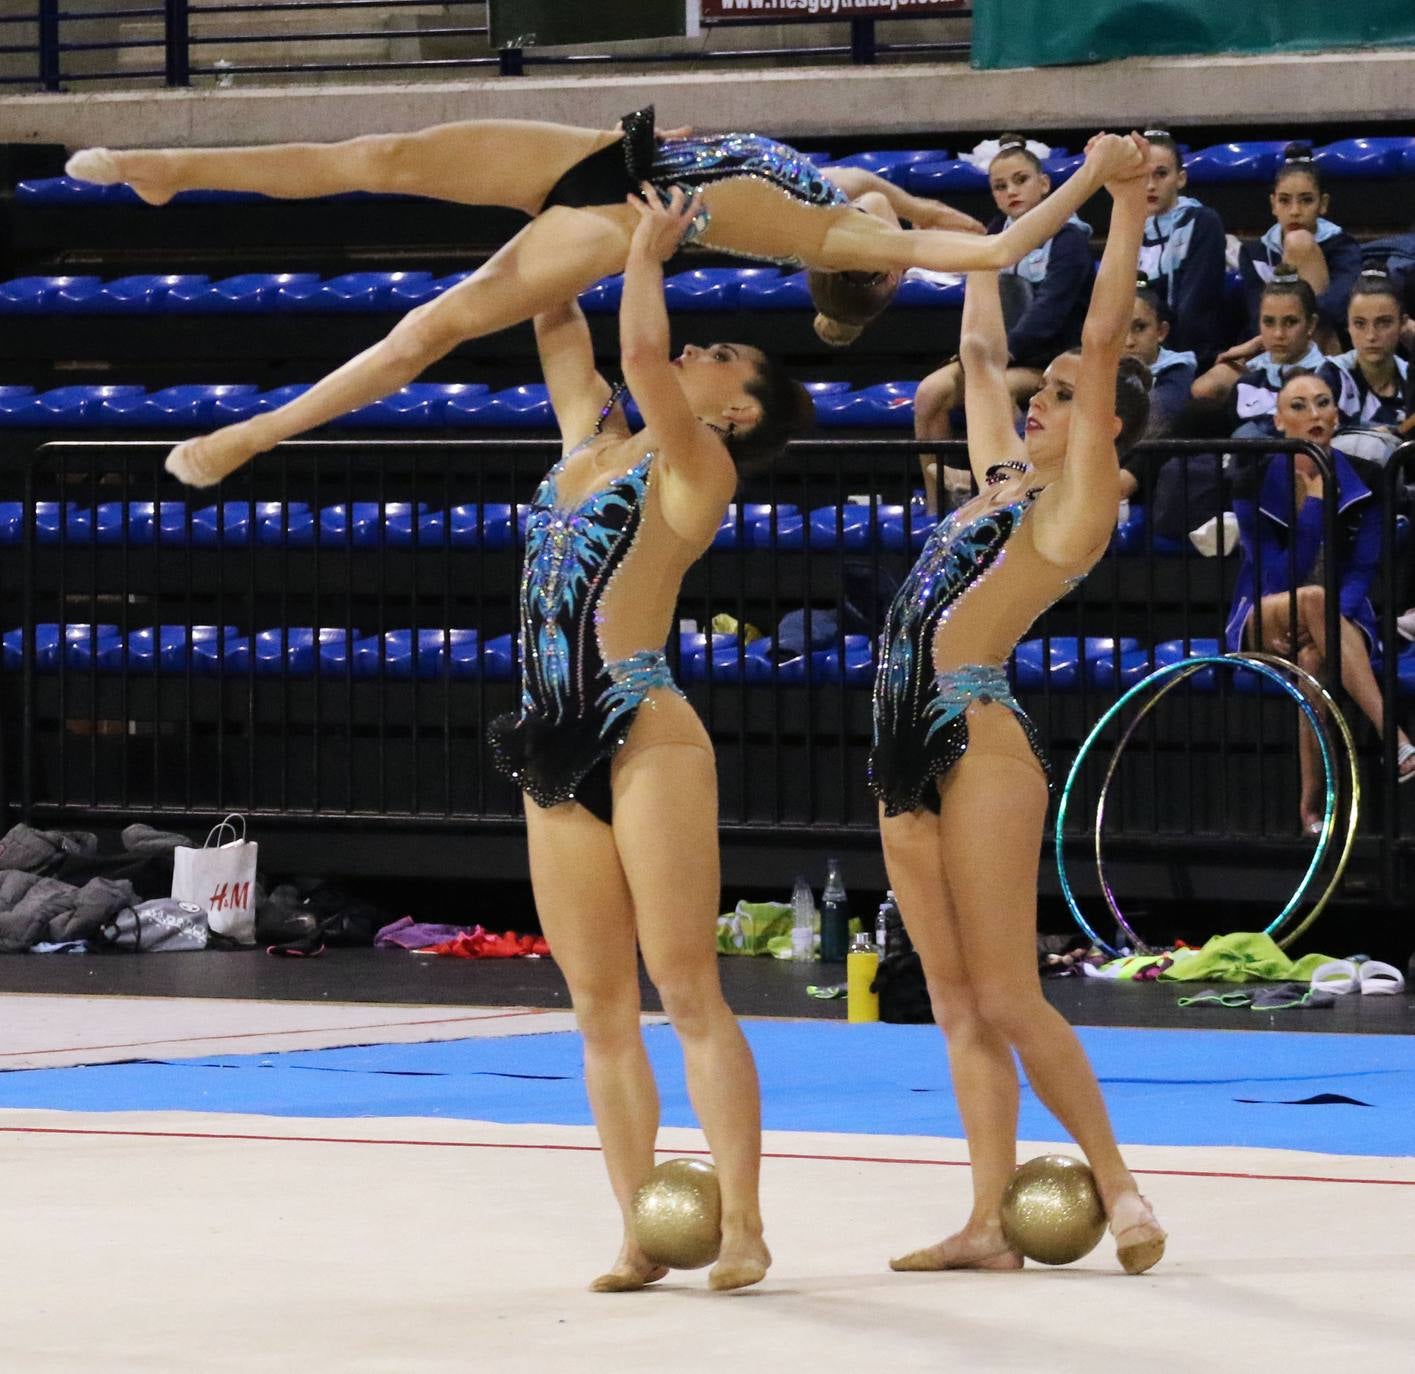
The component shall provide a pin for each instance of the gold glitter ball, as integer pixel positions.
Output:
(677, 1214)
(1051, 1211)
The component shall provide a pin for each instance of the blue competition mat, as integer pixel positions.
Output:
(1338, 1094)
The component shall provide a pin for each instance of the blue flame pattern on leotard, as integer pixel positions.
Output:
(920, 724)
(576, 706)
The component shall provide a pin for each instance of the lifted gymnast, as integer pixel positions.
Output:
(758, 199)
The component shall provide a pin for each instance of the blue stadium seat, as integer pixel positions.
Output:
(228, 525)
(1364, 157)
(1174, 650)
(1253, 162)
(418, 404)
(739, 519)
(945, 178)
(297, 650)
(518, 407)
(355, 291)
(228, 409)
(35, 295)
(786, 532)
(1059, 654)
(169, 649)
(63, 191)
(284, 523)
(174, 407)
(1062, 166)
(711, 288)
(392, 655)
(247, 293)
(64, 405)
(498, 659)
(786, 291)
(130, 295)
(934, 292)
(603, 297)
(892, 527)
(887, 405)
(893, 164)
(12, 523)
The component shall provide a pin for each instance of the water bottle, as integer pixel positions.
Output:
(803, 921)
(835, 915)
(886, 909)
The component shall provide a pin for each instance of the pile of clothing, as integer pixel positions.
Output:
(59, 895)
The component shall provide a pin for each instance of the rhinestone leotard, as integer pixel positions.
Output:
(606, 177)
(976, 588)
(577, 707)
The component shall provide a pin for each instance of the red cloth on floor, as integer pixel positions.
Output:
(483, 944)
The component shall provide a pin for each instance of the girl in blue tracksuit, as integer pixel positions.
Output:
(1326, 257)
(1172, 373)
(1370, 382)
(1182, 255)
(1279, 598)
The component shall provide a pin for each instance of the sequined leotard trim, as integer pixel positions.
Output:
(606, 177)
(577, 707)
(920, 715)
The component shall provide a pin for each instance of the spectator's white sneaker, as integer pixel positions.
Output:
(1405, 624)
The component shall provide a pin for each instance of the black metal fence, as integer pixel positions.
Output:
(68, 46)
(322, 641)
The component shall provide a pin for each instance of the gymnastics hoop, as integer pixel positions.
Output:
(1272, 668)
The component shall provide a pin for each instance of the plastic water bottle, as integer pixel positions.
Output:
(886, 907)
(803, 921)
(835, 915)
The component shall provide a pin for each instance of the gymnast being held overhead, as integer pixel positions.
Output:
(757, 198)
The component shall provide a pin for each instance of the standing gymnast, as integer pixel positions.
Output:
(956, 764)
(759, 199)
(617, 770)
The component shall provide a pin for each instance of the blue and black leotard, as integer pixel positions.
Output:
(577, 706)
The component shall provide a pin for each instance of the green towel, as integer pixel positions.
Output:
(1243, 957)
(752, 926)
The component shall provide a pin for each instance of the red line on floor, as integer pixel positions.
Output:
(252, 1035)
(594, 1149)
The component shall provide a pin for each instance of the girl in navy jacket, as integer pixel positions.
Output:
(1182, 256)
(1326, 257)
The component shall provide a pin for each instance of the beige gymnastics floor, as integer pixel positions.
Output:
(182, 1242)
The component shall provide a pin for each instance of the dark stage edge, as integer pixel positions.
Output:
(754, 987)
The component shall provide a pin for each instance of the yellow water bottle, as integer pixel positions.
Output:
(861, 965)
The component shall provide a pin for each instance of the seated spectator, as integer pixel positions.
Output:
(1172, 373)
(1279, 602)
(1323, 254)
(1370, 382)
(1286, 321)
(1049, 291)
(1182, 256)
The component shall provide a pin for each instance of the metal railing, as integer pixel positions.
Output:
(405, 554)
(65, 47)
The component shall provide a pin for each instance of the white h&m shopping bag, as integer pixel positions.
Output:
(220, 878)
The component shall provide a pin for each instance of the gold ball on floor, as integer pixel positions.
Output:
(1051, 1211)
(677, 1214)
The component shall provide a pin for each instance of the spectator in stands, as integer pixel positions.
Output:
(1182, 257)
(621, 801)
(760, 199)
(1048, 289)
(1279, 602)
(1286, 321)
(1173, 375)
(1370, 382)
(1323, 254)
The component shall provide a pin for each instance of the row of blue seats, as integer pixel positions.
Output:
(887, 405)
(853, 528)
(927, 170)
(701, 289)
(1063, 663)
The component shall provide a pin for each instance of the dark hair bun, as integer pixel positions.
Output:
(1300, 151)
(1133, 372)
(1006, 141)
(1285, 273)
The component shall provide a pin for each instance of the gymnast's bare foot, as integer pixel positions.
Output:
(743, 1261)
(141, 171)
(204, 461)
(632, 1270)
(974, 1247)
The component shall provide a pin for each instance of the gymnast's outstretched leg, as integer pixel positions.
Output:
(507, 162)
(551, 260)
